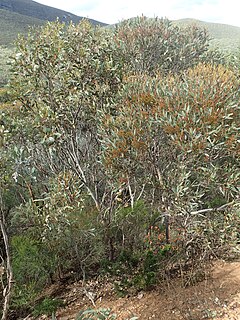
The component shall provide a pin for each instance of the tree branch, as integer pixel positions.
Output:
(8, 288)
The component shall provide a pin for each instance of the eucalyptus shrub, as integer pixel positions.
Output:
(156, 45)
(234, 61)
(175, 144)
(120, 130)
(64, 76)
(195, 115)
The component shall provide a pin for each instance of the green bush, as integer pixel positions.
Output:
(99, 314)
(48, 306)
(117, 131)
(68, 234)
(5, 95)
(32, 264)
(156, 45)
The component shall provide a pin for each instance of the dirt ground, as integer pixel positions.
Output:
(218, 297)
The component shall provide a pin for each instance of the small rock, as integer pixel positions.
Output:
(140, 295)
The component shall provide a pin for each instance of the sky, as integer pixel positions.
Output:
(113, 11)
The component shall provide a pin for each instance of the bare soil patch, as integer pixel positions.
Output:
(217, 298)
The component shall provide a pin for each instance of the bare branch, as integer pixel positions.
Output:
(223, 207)
(8, 288)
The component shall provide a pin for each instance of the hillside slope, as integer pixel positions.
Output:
(36, 10)
(217, 297)
(17, 15)
(225, 36)
(12, 23)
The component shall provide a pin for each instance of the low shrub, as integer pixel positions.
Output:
(48, 306)
(32, 266)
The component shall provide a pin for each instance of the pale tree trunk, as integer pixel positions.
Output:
(9, 274)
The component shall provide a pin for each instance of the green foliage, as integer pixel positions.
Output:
(48, 306)
(61, 101)
(234, 60)
(120, 155)
(181, 133)
(31, 266)
(4, 96)
(69, 234)
(5, 54)
(156, 45)
(191, 123)
(126, 260)
(99, 314)
(150, 268)
(127, 230)
(91, 62)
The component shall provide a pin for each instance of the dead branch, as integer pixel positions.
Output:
(9, 274)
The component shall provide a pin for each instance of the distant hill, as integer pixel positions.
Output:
(12, 23)
(225, 36)
(40, 11)
(17, 15)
